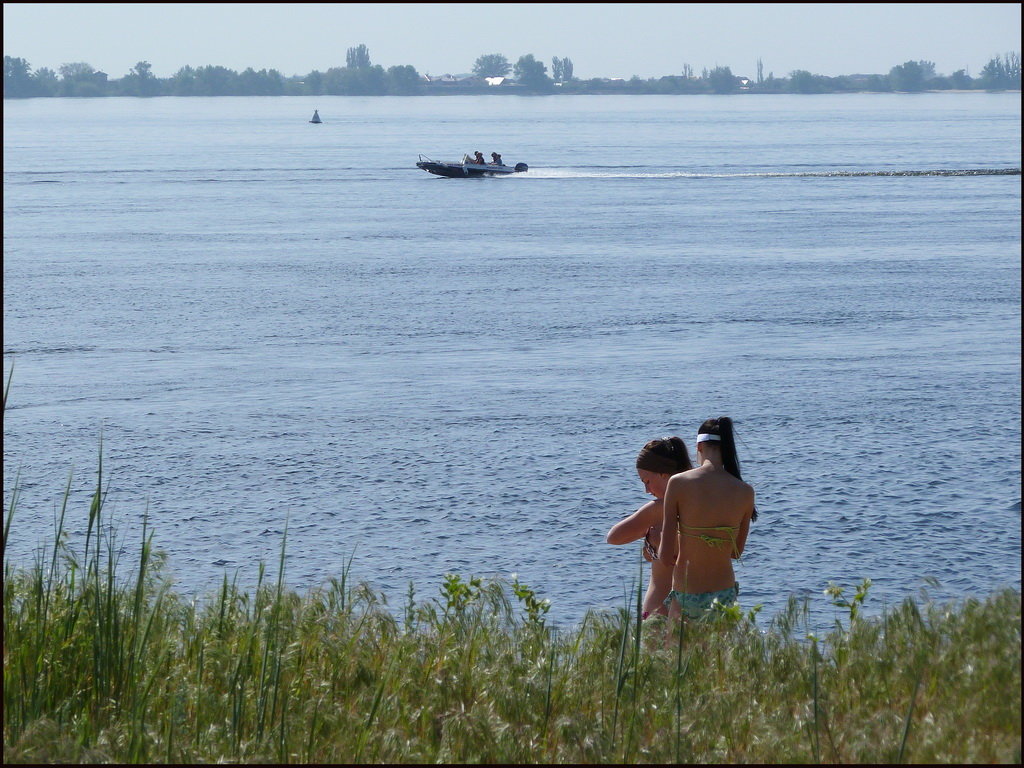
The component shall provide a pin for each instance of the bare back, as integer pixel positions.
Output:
(708, 511)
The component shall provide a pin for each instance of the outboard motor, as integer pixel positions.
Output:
(521, 168)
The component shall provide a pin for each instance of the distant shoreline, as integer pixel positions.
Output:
(490, 75)
(496, 92)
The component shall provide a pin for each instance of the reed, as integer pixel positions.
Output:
(104, 662)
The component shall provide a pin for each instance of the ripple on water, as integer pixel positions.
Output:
(422, 402)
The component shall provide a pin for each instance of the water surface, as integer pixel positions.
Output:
(272, 323)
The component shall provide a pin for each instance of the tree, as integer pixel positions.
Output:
(17, 78)
(294, 85)
(79, 79)
(45, 82)
(354, 81)
(140, 81)
(1011, 63)
(802, 81)
(772, 84)
(532, 73)
(183, 82)
(960, 80)
(838, 84)
(358, 57)
(556, 69)
(334, 81)
(561, 69)
(1001, 73)
(992, 74)
(404, 80)
(216, 81)
(492, 65)
(274, 81)
(911, 75)
(77, 70)
(262, 83)
(877, 83)
(314, 83)
(372, 81)
(722, 80)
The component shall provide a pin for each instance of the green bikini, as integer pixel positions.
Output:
(694, 605)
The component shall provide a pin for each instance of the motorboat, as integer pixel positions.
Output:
(468, 168)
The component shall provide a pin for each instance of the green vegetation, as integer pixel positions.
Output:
(101, 665)
(561, 70)
(361, 78)
(491, 65)
(106, 666)
(532, 74)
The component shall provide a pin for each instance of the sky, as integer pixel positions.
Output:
(601, 39)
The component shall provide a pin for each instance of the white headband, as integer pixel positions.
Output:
(704, 437)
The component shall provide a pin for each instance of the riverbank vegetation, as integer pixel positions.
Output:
(491, 74)
(104, 662)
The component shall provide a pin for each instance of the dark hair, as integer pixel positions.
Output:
(722, 426)
(666, 456)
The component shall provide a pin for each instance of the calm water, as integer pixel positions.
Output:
(274, 322)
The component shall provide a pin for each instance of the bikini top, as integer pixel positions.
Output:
(649, 548)
(713, 541)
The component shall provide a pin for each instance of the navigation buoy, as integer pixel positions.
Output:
(316, 117)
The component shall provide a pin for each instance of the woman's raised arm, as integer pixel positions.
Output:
(636, 525)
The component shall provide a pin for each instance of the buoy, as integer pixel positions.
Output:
(316, 117)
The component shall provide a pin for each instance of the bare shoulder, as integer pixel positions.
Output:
(651, 510)
(684, 478)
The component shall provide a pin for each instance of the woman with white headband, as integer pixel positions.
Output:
(657, 461)
(707, 517)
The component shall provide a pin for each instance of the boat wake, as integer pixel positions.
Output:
(629, 173)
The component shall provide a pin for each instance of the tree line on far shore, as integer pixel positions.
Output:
(491, 74)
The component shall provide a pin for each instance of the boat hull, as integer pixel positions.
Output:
(468, 170)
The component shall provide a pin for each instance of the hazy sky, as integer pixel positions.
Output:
(601, 39)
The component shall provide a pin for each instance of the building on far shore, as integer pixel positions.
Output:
(466, 84)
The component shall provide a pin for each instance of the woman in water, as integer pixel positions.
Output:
(707, 514)
(655, 464)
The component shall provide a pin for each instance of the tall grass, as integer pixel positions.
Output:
(103, 662)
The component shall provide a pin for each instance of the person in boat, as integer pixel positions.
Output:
(479, 158)
(496, 158)
(657, 461)
(707, 515)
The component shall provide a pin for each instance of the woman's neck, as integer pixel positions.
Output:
(712, 459)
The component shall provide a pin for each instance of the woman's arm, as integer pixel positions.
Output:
(636, 525)
(668, 550)
(741, 537)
